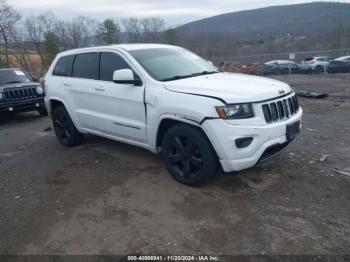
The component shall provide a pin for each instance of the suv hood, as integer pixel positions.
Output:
(231, 87)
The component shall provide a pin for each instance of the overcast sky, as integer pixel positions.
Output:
(174, 12)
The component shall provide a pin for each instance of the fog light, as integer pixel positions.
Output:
(10, 109)
(243, 142)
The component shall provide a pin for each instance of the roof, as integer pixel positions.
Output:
(342, 58)
(127, 47)
(280, 62)
(130, 47)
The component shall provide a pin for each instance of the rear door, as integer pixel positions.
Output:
(81, 88)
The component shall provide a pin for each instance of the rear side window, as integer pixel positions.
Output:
(86, 66)
(109, 63)
(64, 66)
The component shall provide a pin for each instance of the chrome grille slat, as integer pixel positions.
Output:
(280, 109)
(22, 93)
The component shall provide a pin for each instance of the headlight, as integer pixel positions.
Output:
(1, 96)
(39, 90)
(235, 111)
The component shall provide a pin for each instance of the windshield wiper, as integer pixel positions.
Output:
(205, 73)
(13, 82)
(178, 77)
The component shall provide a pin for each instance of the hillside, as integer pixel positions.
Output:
(300, 19)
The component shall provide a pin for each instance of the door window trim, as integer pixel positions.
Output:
(130, 64)
(117, 52)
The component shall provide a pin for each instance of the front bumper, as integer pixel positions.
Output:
(268, 140)
(23, 105)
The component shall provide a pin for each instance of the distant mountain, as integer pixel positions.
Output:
(297, 20)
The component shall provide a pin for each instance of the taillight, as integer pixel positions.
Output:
(312, 62)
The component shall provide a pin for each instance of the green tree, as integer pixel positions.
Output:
(51, 42)
(108, 32)
(171, 36)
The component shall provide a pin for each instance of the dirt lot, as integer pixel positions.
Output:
(106, 197)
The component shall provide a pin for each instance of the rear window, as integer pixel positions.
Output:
(309, 59)
(64, 66)
(86, 66)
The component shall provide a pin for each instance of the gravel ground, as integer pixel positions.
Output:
(105, 197)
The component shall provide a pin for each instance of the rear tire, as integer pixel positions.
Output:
(188, 155)
(65, 130)
(319, 70)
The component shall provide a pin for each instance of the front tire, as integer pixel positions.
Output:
(188, 155)
(65, 130)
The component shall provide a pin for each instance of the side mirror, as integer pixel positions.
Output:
(210, 62)
(125, 76)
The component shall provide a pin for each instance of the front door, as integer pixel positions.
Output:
(103, 106)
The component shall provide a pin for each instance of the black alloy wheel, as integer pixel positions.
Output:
(185, 157)
(64, 128)
(189, 155)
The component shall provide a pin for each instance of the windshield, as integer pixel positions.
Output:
(13, 76)
(166, 64)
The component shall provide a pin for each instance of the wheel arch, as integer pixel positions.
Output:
(55, 102)
(167, 122)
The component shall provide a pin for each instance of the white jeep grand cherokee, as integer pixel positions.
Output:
(170, 101)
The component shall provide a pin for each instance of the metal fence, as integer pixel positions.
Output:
(259, 59)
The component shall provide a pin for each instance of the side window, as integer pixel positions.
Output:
(321, 59)
(64, 66)
(86, 66)
(109, 63)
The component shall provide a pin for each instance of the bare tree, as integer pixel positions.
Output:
(132, 28)
(152, 29)
(62, 32)
(37, 27)
(21, 55)
(8, 19)
(80, 31)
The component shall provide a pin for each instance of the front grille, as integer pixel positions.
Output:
(280, 110)
(22, 93)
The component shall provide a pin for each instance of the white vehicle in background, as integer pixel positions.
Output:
(280, 67)
(317, 64)
(170, 101)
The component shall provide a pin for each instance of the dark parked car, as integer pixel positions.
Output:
(341, 65)
(18, 92)
(338, 66)
(280, 67)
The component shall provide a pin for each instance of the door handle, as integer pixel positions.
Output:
(67, 84)
(100, 89)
